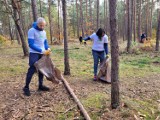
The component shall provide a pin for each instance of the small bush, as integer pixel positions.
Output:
(148, 45)
(3, 40)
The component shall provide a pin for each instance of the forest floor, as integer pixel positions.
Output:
(139, 87)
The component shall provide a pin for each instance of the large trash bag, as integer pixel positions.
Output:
(48, 69)
(104, 72)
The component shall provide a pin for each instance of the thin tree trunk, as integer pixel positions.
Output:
(151, 19)
(147, 17)
(107, 18)
(129, 26)
(104, 19)
(126, 19)
(98, 22)
(40, 6)
(34, 10)
(139, 20)
(74, 22)
(50, 21)
(66, 55)
(19, 28)
(86, 20)
(81, 12)
(158, 33)
(59, 31)
(114, 55)
(77, 19)
(91, 15)
(134, 5)
(125, 22)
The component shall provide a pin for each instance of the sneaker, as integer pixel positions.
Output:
(26, 91)
(95, 78)
(43, 88)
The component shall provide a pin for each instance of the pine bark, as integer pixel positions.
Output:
(66, 55)
(114, 55)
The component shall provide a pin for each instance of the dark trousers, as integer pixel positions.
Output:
(33, 57)
(97, 55)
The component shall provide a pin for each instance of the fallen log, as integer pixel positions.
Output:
(85, 114)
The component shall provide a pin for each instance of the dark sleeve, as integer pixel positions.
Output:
(106, 48)
(87, 38)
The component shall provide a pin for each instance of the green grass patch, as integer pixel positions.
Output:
(144, 108)
(138, 66)
(95, 102)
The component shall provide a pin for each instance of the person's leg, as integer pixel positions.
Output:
(30, 73)
(96, 60)
(40, 76)
(32, 59)
(101, 56)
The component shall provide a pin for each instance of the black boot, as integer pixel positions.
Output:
(26, 91)
(43, 88)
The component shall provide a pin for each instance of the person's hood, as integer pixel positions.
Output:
(34, 24)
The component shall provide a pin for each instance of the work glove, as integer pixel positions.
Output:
(83, 41)
(47, 52)
(107, 56)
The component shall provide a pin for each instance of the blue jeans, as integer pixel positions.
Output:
(33, 57)
(97, 55)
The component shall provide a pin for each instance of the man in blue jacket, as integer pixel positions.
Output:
(38, 47)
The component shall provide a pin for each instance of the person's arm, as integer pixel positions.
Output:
(31, 41)
(46, 44)
(87, 38)
(106, 44)
(106, 48)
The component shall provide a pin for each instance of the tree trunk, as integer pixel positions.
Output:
(16, 18)
(139, 20)
(134, 5)
(158, 33)
(40, 7)
(77, 19)
(104, 19)
(151, 19)
(50, 21)
(66, 55)
(147, 17)
(114, 55)
(81, 12)
(91, 15)
(125, 23)
(86, 20)
(98, 22)
(34, 10)
(129, 25)
(59, 30)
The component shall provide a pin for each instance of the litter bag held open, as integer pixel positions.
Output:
(48, 69)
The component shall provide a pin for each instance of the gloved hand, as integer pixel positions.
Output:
(107, 56)
(47, 52)
(83, 41)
